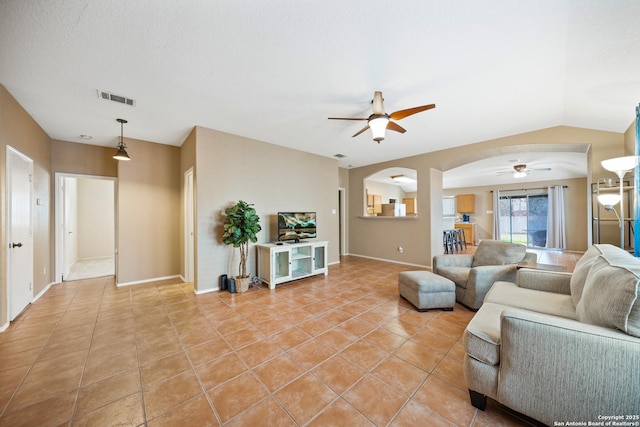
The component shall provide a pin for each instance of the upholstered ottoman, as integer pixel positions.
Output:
(427, 290)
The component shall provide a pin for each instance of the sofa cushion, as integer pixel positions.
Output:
(510, 294)
(610, 294)
(482, 335)
(493, 252)
(458, 275)
(580, 272)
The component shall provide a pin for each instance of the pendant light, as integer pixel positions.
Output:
(121, 154)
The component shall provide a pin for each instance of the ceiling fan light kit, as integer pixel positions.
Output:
(521, 170)
(380, 121)
(378, 125)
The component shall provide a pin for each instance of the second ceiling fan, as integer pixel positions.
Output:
(379, 121)
(521, 170)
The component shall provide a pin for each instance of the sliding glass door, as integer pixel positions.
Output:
(523, 219)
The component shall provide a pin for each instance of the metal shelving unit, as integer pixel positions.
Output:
(601, 217)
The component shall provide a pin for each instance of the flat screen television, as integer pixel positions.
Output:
(295, 226)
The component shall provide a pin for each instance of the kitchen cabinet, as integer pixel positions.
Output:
(411, 207)
(466, 203)
(374, 203)
(469, 229)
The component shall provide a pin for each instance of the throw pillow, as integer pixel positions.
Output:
(610, 295)
(580, 272)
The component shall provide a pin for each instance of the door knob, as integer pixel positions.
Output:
(16, 245)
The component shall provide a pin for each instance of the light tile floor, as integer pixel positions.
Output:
(90, 268)
(324, 351)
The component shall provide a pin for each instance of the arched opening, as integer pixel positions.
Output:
(391, 192)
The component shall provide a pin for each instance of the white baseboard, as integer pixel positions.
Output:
(4, 327)
(42, 292)
(153, 279)
(205, 291)
(95, 258)
(392, 261)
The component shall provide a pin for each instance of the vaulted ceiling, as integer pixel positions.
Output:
(276, 70)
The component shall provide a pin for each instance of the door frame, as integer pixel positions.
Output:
(189, 219)
(59, 219)
(342, 221)
(11, 152)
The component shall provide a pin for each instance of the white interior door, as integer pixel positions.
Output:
(70, 224)
(19, 233)
(189, 246)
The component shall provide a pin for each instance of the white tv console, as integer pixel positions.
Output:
(278, 263)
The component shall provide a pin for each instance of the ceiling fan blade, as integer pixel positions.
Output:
(361, 130)
(378, 107)
(396, 127)
(504, 173)
(539, 169)
(347, 118)
(399, 115)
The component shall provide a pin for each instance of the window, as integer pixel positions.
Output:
(523, 219)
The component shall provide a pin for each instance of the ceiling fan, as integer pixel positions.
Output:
(379, 120)
(521, 170)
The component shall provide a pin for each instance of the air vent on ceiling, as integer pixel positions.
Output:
(340, 156)
(116, 98)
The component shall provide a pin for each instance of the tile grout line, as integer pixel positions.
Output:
(22, 382)
(193, 367)
(86, 359)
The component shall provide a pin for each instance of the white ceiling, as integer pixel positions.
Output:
(499, 169)
(275, 70)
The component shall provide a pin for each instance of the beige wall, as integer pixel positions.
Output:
(96, 218)
(420, 238)
(273, 178)
(82, 159)
(575, 202)
(630, 140)
(148, 212)
(20, 131)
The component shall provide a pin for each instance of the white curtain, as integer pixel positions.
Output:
(496, 215)
(556, 230)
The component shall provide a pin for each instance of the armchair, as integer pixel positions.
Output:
(474, 274)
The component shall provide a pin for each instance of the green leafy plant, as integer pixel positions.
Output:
(241, 226)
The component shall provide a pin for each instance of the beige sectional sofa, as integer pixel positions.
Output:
(561, 347)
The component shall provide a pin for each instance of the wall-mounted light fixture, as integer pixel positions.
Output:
(121, 154)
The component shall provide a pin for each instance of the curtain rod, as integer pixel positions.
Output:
(529, 189)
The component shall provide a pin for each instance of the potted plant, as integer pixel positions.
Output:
(240, 227)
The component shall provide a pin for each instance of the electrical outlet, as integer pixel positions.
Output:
(400, 249)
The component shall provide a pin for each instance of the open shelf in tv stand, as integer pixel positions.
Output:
(291, 261)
